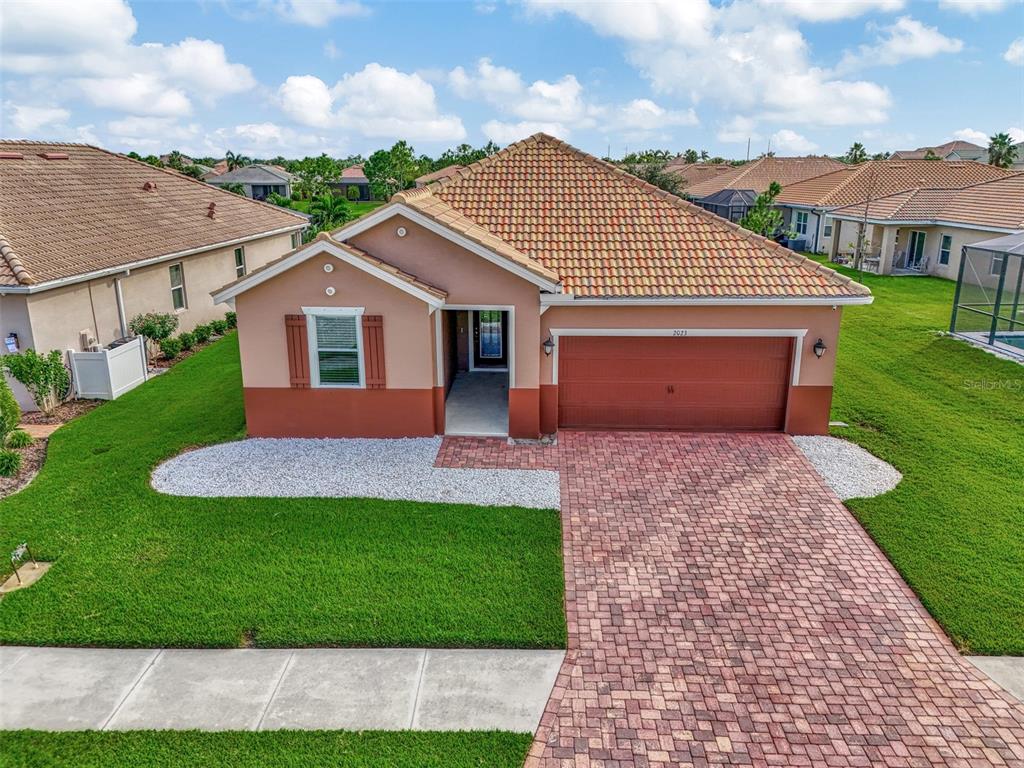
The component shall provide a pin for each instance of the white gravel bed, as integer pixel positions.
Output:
(847, 468)
(382, 469)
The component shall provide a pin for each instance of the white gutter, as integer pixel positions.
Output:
(926, 223)
(567, 300)
(107, 272)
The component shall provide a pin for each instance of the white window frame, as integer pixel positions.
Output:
(296, 240)
(800, 224)
(239, 251)
(828, 227)
(995, 265)
(180, 287)
(945, 252)
(311, 314)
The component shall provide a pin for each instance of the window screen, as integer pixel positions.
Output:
(337, 349)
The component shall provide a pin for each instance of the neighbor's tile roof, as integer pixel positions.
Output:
(65, 217)
(939, 150)
(354, 174)
(998, 204)
(254, 174)
(696, 173)
(607, 234)
(443, 173)
(878, 178)
(759, 174)
(359, 253)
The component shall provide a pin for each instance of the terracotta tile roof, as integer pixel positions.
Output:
(851, 184)
(443, 173)
(939, 150)
(998, 204)
(96, 210)
(759, 174)
(359, 253)
(605, 233)
(354, 175)
(697, 173)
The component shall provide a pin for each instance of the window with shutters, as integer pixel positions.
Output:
(335, 346)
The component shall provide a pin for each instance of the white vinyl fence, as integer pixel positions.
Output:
(111, 372)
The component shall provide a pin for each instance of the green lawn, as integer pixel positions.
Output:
(281, 749)
(136, 568)
(951, 418)
(358, 207)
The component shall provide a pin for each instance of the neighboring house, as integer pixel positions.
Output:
(731, 204)
(753, 178)
(539, 289)
(76, 266)
(353, 176)
(1018, 162)
(696, 173)
(221, 166)
(925, 230)
(444, 173)
(806, 205)
(951, 150)
(259, 181)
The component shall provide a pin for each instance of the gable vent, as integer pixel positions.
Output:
(54, 155)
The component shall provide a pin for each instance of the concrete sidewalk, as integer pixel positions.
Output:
(318, 688)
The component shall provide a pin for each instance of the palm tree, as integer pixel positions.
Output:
(1001, 151)
(856, 153)
(236, 161)
(329, 211)
(690, 156)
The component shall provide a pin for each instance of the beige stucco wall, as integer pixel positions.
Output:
(58, 316)
(408, 329)
(14, 318)
(820, 322)
(468, 279)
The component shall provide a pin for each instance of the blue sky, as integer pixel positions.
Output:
(297, 77)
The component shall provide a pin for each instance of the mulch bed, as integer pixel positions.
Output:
(162, 362)
(61, 414)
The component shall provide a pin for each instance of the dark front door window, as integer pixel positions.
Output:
(490, 338)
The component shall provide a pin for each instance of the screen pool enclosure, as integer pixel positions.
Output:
(988, 307)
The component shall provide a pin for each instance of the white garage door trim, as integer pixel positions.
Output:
(792, 333)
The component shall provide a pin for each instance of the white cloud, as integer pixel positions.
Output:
(331, 50)
(969, 134)
(830, 10)
(901, 41)
(485, 9)
(316, 13)
(1016, 133)
(973, 7)
(738, 129)
(1015, 53)
(789, 142)
(736, 55)
(27, 120)
(644, 114)
(267, 140)
(376, 101)
(88, 48)
(505, 133)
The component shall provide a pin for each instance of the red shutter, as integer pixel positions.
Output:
(373, 351)
(298, 350)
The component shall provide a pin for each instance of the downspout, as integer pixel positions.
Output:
(119, 296)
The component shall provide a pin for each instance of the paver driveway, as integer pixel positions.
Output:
(725, 608)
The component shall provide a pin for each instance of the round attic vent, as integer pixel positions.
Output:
(328, 268)
(330, 290)
(400, 232)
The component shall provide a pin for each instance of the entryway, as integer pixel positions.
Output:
(477, 356)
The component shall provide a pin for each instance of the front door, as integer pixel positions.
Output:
(916, 251)
(490, 338)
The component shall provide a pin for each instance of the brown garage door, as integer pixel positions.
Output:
(643, 382)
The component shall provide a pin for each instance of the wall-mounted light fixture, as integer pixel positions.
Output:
(819, 348)
(549, 346)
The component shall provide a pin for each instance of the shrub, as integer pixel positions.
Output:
(155, 326)
(352, 193)
(219, 327)
(44, 376)
(231, 318)
(10, 462)
(170, 348)
(10, 411)
(201, 334)
(19, 438)
(187, 340)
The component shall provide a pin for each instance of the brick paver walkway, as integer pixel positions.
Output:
(725, 608)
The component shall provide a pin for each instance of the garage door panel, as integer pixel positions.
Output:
(673, 383)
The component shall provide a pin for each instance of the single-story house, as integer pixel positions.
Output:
(951, 150)
(540, 288)
(353, 176)
(807, 205)
(443, 173)
(696, 173)
(924, 230)
(731, 204)
(76, 266)
(259, 181)
(753, 178)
